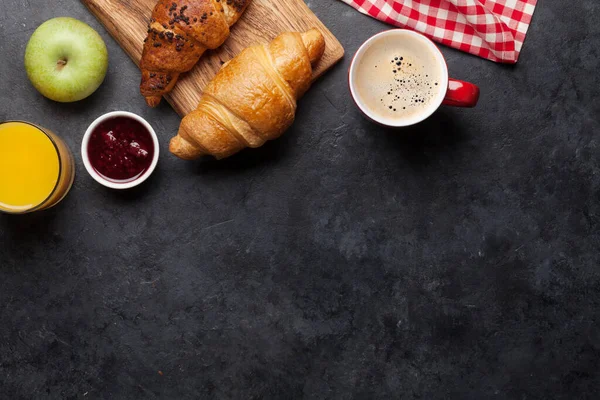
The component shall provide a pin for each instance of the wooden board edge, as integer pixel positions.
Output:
(109, 27)
(340, 51)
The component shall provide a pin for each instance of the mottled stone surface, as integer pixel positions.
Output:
(457, 259)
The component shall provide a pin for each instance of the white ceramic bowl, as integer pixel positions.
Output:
(86, 159)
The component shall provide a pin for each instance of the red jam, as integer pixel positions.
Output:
(121, 149)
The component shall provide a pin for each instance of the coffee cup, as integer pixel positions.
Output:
(399, 78)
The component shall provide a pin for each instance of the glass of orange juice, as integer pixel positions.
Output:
(36, 168)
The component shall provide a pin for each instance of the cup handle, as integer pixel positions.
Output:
(461, 94)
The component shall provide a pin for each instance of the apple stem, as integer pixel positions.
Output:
(60, 64)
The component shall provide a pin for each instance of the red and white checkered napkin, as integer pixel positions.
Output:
(492, 29)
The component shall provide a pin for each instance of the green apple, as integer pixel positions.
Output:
(66, 60)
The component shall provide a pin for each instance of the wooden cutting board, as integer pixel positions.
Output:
(127, 20)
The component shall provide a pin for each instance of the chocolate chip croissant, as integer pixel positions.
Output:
(252, 99)
(180, 31)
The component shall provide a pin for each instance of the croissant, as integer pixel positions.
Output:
(180, 31)
(252, 99)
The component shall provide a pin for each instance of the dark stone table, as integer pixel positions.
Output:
(458, 259)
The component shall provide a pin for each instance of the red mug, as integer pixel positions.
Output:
(448, 91)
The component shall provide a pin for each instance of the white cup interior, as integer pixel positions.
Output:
(427, 46)
(92, 171)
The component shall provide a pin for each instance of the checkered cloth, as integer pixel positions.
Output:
(492, 29)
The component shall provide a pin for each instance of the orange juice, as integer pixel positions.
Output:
(36, 168)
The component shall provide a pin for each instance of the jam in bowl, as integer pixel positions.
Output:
(120, 150)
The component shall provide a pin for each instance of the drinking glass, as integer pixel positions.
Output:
(36, 168)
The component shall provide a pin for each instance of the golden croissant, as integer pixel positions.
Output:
(252, 99)
(180, 31)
